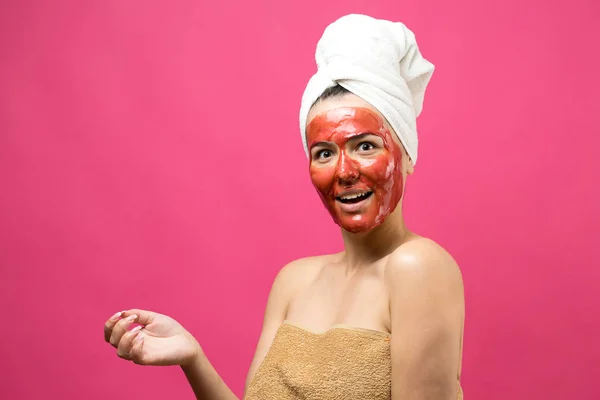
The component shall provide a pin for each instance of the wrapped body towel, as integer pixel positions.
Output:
(344, 363)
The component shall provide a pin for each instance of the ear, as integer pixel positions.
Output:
(409, 167)
(407, 164)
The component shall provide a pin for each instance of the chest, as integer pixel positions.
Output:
(334, 299)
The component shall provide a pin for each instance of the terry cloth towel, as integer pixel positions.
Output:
(343, 363)
(380, 62)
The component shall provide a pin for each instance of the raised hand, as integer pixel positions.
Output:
(156, 340)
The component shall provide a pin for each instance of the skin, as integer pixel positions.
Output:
(387, 278)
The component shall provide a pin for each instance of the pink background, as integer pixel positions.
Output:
(150, 157)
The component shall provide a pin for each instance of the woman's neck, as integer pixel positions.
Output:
(365, 248)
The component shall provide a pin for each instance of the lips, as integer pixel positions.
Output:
(353, 197)
(353, 202)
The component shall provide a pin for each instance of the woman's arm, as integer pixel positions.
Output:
(427, 313)
(160, 340)
(284, 286)
(204, 379)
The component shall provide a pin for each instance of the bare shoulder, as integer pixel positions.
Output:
(423, 261)
(427, 319)
(301, 272)
(290, 279)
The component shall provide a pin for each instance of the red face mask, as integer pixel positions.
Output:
(355, 165)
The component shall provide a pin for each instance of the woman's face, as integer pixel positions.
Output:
(355, 162)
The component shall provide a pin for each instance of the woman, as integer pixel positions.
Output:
(384, 318)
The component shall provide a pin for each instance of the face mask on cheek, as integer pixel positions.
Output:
(359, 189)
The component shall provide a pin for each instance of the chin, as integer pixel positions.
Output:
(358, 228)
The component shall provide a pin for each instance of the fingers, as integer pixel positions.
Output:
(110, 324)
(144, 317)
(125, 346)
(137, 351)
(120, 328)
(130, 343)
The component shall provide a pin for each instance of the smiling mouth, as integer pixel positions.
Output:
(354, 198)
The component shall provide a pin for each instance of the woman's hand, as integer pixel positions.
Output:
(157, 340)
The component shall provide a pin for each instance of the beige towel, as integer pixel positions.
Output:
(341, 364)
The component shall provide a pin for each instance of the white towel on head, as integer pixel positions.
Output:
(378, 61)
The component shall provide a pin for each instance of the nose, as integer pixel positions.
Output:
(347, 171)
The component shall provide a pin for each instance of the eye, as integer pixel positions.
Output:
(324, 154)
(366, 146)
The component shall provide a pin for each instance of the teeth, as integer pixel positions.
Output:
(353, 196)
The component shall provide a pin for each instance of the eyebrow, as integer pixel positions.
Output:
(353, 138)
(362, 136)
